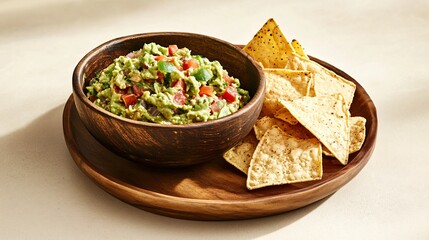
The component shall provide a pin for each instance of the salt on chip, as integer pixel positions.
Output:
(269, 46)
(281, 159)
(326, 82)
(240, 155)
(357, 135)
(298, 49)
(264, 124)
(284, 84)
(327, 117)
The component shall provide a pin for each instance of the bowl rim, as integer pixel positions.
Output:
(78, 74)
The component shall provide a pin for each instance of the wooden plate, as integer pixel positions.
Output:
(214, 190)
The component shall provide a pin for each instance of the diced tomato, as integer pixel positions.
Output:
(180, 83)
(190, 63)
(214, 107)
(129, 99)
(137, 90)
(121, 91)
(160, 58)
(230, 94)
(179, 98)
(206, 90)
(172, 49)
(160, 75)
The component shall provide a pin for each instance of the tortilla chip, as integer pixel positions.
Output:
(298, 49)
(300, 80)
(264, 124)
(269, 46)
(327, 117)
(284, 84)
(240, 155)
(284, 115)
(280, 158)
(357, 135)
(326, 82)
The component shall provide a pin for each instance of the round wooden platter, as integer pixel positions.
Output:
(214, 190)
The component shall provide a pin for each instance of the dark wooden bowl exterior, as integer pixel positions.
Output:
(213, 190)
(159, 144)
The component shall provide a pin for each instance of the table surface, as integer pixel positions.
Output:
(382, 44)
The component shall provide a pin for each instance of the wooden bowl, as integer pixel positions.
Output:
(170, 145)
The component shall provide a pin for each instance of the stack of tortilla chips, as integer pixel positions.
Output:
(305, 115)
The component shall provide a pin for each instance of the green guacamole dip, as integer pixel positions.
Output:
(166, 85)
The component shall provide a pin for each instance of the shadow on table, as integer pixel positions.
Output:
(38, 153)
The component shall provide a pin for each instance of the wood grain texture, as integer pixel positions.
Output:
(146, 142)
(212, 190)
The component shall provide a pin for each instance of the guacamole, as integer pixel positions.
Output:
(166, 85)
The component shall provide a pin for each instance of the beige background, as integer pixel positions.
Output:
(382, 44)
